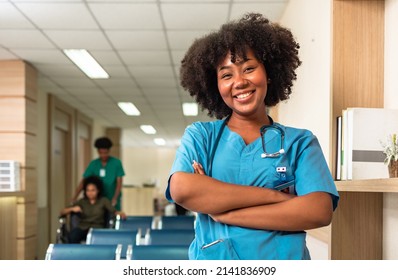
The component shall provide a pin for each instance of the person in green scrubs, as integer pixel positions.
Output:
(109, 169)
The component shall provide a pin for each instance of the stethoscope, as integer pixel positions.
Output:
(263, 130)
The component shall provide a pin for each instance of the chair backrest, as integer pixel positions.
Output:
(83, 252)
(177, 222)
(135, 223)
(169, 237)
(158, 252)
(103, 236)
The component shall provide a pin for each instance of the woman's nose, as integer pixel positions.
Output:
(240, 81)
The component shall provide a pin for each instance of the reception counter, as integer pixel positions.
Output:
(138, 201)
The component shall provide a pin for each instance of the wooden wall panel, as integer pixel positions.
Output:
(19, 147)
(42, 233)
(31, 117)
(18, 115)
(18, 128)
(29, 183)
(26, 248)
(26, 219)
(355, 212)
(31, 153)
(12, 114)
(8, 225)
(30, 82)
(12, 78)
(12, 147)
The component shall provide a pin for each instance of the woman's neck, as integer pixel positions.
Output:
(237, 123)
(92, 201)
(247, 128)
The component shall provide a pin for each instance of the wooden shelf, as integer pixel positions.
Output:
(370, 185)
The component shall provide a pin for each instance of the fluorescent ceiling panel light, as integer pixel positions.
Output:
(159, 141)
(148, 129)
(190, 109)
(129, 108)
(86, 63)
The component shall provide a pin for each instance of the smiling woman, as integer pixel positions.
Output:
(250, 179)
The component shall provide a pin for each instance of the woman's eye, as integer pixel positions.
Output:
(249, 69)
(225, 76)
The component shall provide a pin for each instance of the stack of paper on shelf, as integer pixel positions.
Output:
(363, 130)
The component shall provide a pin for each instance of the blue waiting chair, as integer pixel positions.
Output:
(104, 236)
(136, 223)
(157, 252)
(169, 237)
(83, 252)
(177, 222)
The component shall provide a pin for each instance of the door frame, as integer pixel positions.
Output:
(70, 173)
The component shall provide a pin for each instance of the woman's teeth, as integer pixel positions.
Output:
(244, 95)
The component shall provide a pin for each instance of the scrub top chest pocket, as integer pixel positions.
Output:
(275, 173)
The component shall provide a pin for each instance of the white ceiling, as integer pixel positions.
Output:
(140, 43)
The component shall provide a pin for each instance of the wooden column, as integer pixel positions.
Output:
(115, 134)
(18, 128)
(358, 71)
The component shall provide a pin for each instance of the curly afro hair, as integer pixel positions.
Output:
(103, 143)
(272, 45)
(96, 181)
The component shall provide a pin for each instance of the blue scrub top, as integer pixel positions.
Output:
(238, 163)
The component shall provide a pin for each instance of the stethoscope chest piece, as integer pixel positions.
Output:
(273, 155)
(279, 130)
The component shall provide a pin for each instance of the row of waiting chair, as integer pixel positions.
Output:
(170, 233)
(155, 222)
(114, 252)
(128, 237)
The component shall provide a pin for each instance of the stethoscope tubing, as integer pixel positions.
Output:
(263, 130)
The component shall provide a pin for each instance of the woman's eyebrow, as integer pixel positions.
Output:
(236, 62)
(223, 68)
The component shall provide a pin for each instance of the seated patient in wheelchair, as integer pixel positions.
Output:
(94, 210)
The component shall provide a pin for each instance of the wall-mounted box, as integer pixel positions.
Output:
(9, 176)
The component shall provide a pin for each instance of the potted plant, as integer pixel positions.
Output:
(390, 149)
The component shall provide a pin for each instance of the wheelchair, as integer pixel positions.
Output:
(69, 222)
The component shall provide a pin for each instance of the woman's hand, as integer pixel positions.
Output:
(218, 217)
(76, 209)
(122, 215)
(198, 168)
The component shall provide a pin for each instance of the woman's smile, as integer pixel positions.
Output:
(244, 96)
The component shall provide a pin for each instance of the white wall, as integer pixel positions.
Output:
(146, 165)
(390, 211)
(391, 55)
(310, 103)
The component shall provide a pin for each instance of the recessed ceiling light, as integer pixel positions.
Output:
(148, 129)
(86, 63)
(159, 141)
(129, 108)
(190, 108)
